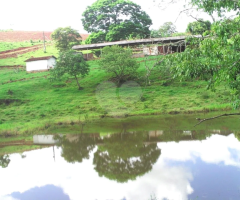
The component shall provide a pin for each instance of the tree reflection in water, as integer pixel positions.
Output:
(4, 161)
(75, 148)
(125, 156)
(119, 157)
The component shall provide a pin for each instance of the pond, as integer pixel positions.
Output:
(131, 159)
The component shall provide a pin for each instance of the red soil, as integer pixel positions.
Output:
(19, 36)
(15, 52)
(18, 49)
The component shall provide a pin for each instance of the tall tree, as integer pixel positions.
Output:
(167, 29)
(221, 6)
(214, 58)
(72, 64)
(119, 17)
(199, 27)
(66, 38)
(98, 37)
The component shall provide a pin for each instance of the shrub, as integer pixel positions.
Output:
(118, 62)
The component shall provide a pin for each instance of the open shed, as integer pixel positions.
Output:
(40, 63)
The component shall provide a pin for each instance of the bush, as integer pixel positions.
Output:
(119, 62)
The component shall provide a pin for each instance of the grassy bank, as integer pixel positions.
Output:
(35, 102)
(174, 128)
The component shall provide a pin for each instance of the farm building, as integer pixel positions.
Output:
(40, 64)
(162, 50)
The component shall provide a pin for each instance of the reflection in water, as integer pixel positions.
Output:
(4, 161)
(119, 157)
(189, 169)
(75, 148)
(123, 157)
(131, 164)
(40, 193)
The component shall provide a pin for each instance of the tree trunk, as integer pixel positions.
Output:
(78, 83)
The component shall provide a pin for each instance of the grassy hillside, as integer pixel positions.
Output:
(35, 102)
(4, 46)
(50, 50)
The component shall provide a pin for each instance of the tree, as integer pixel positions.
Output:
(199, 27)
(214, 58)
(4, 161)
(71, 63)
(155, 34)
(167, 29)
(98, 37)
(119, 17)
(222, 6)
(124, 30)
(66, 38)
(118, 62)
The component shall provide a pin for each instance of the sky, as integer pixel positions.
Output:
(47, 15)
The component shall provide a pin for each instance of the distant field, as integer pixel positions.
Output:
(50, 50)
(20, 36)
(17, 46)
(4, 46)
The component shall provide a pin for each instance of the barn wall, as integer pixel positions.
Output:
(36, 65)
(51, 63)
(152, 51)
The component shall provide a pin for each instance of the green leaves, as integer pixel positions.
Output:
(221, 6)
(215, 58)
(119, 62)
(117, 19)
(166, 30)
(98, 37)
(65, 38)
(199, 27)
(72, 64)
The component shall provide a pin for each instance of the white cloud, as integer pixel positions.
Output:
(215, 150)
(7, 198)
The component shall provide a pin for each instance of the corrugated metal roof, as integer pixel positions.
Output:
(40, 58)
(131, 42)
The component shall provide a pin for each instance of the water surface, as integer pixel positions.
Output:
(128, 163)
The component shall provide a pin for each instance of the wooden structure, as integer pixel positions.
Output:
(165, 40)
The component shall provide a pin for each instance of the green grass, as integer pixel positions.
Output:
(50, 50)
(43, 102)
(4, 46)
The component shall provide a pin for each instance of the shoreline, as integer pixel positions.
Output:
(71, 120)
